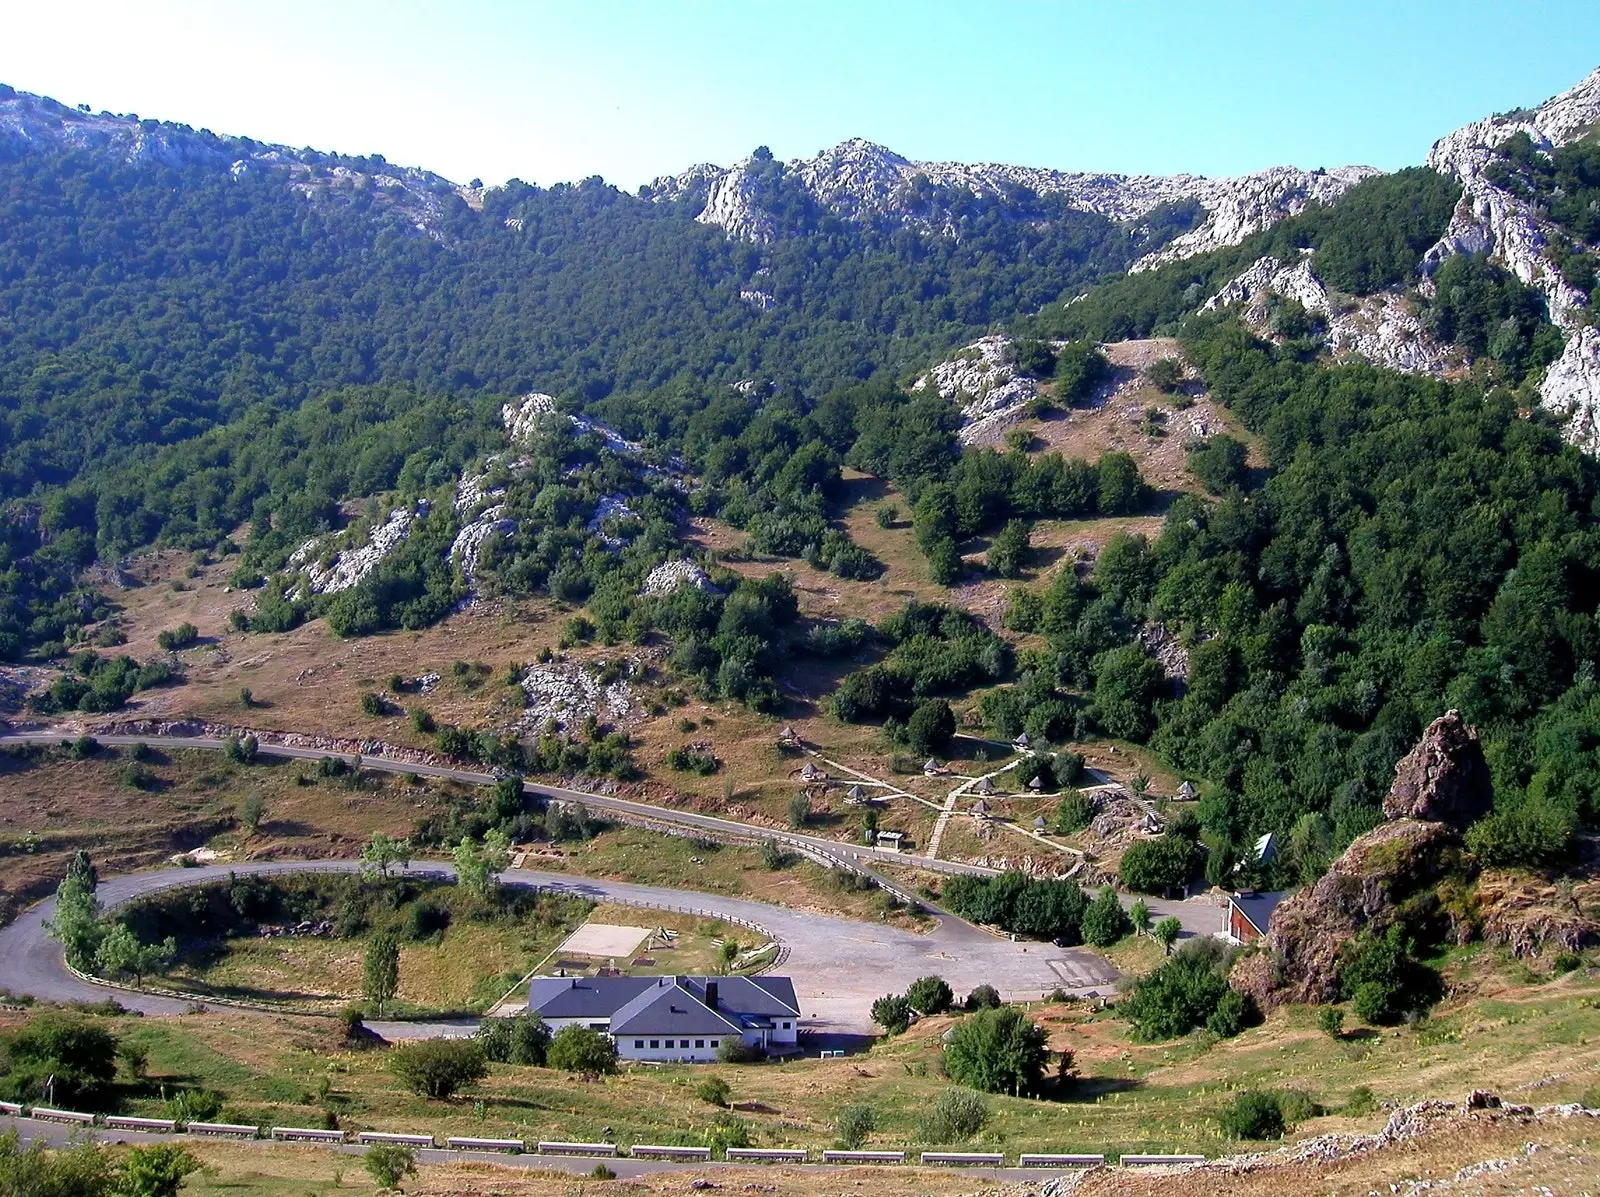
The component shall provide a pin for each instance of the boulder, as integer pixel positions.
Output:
(1444, 779)
(1362, 891)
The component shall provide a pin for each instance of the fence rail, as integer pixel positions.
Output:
(640, 1151)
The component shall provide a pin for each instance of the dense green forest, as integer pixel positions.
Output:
(166, 328)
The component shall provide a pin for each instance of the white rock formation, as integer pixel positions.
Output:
(1490, 219)
(569, 694)
(351, 565)
(982, 378)
(1572, 389)
(610, 507)
(29, 121)
(523, 417)
(670, 575)
(865, 182)
(469, 542)
(1380, 328)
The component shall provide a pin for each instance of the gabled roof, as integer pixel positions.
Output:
(1258, 908)
(670, 1008)
(646, 1005)
(583, 997)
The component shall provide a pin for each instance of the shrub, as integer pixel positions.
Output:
(996, 1051)
(1383, 980)
(1074, 812)
(1531, 835)
(799, 811)
(1330, 1021)
(373, 704)
(1156, 866)
(892, 1012)
(1180, 995)
(713, 1090)
(930, 995)
(578, 1049)
(1166, 931)
(956, 1114)
(436, 1068)
(1104, 921)
(853, 1124)
(984, 997)
(422, 721)
(1234, 1012)
(155, 1171)
(930, 727)
(241, 750)
(1361, 1102)
(389, 1163)
(737, 1051)
(1219, 463)
(1252, 1115)
(521, 1040)
(177, 638)
(80, 1055)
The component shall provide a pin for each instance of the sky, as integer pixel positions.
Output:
(632, 89)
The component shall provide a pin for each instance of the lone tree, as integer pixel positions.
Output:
(892, 1012)
(930, 995)
(997, 1051)
(122, 954)
(436, 1068)
(382, 853)
(155, 1171)
(381, 971)
(931, 727)
(1166, 932)
(389, 1163)
(578, 1049)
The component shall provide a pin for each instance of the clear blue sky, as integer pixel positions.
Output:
(630, 90)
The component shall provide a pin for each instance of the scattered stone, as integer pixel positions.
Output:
(667, 577)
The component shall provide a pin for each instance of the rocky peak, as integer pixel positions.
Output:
(1444, 779)
(30, 123)
(863, 181)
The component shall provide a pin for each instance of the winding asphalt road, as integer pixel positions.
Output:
(839, 966)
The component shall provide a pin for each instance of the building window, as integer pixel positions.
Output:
(699, 1042)
(716, 1043)
(786, 1026)
(638, 1043)
(655, 1043)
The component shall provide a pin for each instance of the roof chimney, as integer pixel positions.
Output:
(711, 994)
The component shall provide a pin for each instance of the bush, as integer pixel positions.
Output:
(1180, 995)
(1362, 1102)
(389, 1163)
(1156, 866)
(892, 1012)
(373, 704)
(930, 995)
(436, 1068)
(1104, 921)
(799, 811)
(1383, 980)
(930, 728)
(956, 1114)
(578, 1049)
(1531, 835)
(1330, 1021)
(1219, 463)
(521, 1040)
(241, 750)
(1074, 812)
(713, 1090)
(177, 638)
(984, 997)
(1233, 1013)
(1252, 1115)
(155, 1171)
(853, 1124)
(737, 1051)
(81, 1056)
(996, 1051)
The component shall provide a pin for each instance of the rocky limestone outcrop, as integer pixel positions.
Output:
(864, 182)
(1489, 219)
(983, 379)
(667, 577)
(1381, 329)
(1439, 785)
(31, 123)
(353, 564)
(1444, 779)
